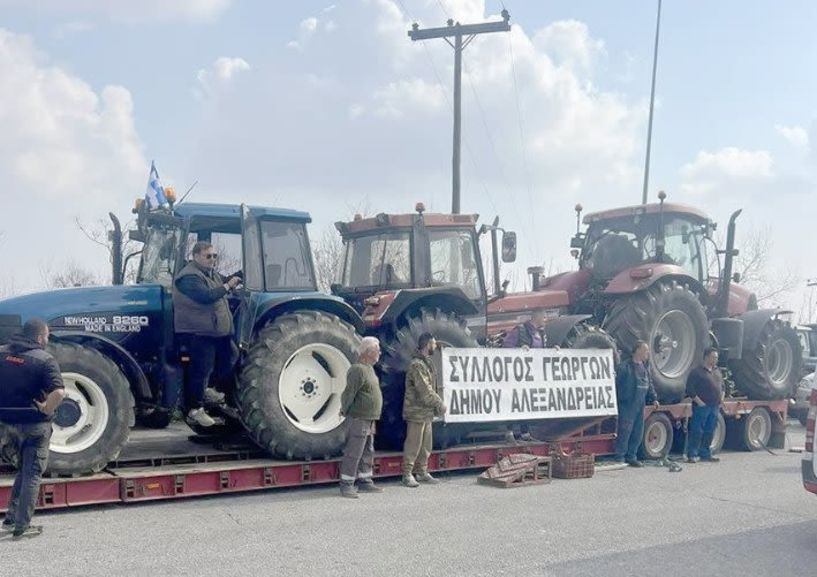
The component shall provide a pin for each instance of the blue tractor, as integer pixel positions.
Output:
(121, 363)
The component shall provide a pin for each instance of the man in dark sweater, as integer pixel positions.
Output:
(634, 390)
(361, 404)
(31, 389)
(204, 324)
(705, 388)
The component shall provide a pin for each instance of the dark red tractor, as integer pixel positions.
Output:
(653, 273)
(407, 274)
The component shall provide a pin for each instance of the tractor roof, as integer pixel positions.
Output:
(383, 220)
(189, 210)
(654, 208)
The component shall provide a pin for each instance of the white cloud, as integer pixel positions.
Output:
(65, 150)
(730, 163)
(221, 73)
(570, 44)
(406, 97)
(795, 135)
(128, 10)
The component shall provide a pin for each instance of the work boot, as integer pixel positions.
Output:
(410, 481)
(369, 487)
(426, 478)
(30, 531)
(348, 490)
(693, 459)
(635, 463)
(213, 397)
(8, 525)
(200, 417)
(710, 459)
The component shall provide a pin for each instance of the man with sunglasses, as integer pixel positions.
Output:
(204, 324)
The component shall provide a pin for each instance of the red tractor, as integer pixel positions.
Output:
(653, 273)
(413, 273)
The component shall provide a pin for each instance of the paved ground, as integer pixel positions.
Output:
(747, 516)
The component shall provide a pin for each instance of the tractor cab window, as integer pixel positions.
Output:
(227, 245)
(382, 260)
(159, 256)
(287, 260)
(683, 246)
(453, 261)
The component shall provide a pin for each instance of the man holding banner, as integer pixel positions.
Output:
(634, 390)
(420, 405)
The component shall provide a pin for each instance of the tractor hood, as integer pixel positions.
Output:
(574, 283)
(75, 308)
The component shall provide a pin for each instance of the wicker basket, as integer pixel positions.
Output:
(579, 466)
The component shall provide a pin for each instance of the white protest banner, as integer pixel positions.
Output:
(482, 385)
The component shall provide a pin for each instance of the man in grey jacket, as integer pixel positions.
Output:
(204, 324)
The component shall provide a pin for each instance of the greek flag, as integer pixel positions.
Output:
(155, 193)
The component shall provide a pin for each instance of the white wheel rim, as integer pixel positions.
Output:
(673, 344)
(717, 438)
(656, 439)
(758, 430)
(310, 387)
(85, 397)
(779, 363)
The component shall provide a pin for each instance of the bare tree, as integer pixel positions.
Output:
(770, 283)
(99, 232)
(327, 252)
(73, 275)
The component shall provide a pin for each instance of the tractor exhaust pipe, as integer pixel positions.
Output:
(729, 255)
(495, 256)
(535, 273)
(115, 238)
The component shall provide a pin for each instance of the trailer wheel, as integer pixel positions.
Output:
(658, 434)
(291, 382)
(670, 318)
(92, 424)
(719, 436)
(771, 370)
(449, 330)
(756, 430)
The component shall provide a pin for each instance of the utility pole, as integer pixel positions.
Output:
(457, 31)
(652, 102)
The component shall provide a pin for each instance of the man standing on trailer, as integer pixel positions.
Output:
(361, 404)
(31, 389)
(634, 390)
(705, 387)
(420, 405)
(203, 323)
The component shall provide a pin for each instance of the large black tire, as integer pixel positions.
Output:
(91, 380)
(772, 369)
(671, 319)
(328, 345)
(449, 330)
(584, 336)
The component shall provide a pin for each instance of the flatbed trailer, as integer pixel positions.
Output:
(170, 465)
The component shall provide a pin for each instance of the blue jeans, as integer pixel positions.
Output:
(30, 442)
(702, 430)
(630, 429)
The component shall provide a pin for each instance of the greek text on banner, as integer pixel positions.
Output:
(483, 385)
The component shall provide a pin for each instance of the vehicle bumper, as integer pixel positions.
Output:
(809, 478)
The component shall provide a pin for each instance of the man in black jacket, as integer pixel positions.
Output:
(634, 390)
(31, 389)
(203, 323)
(705, 388)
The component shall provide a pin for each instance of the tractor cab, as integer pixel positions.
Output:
(390, 253)
(626, 238)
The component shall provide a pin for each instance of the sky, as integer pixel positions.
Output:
(331, 108)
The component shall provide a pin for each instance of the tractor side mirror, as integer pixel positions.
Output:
(508, 246)
(736, 277)
(577, 241)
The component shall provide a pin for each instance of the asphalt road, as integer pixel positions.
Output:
(746, 516)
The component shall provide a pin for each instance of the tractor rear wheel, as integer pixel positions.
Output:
(584, 336)
(93, 422)
(671, 320)
(449, 330)
(291, 383)
(772, 368)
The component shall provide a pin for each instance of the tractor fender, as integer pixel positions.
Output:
(557, 328)
(642, 277)
(270, 309)
(753, 323)
(446, 299)
(114, 351)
